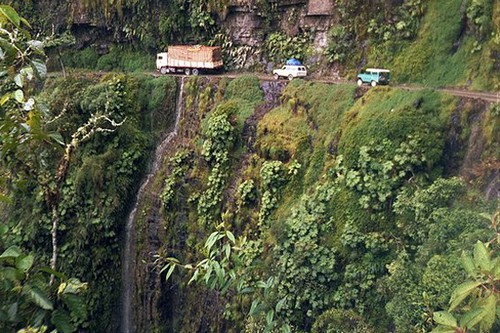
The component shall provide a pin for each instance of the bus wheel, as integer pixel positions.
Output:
(164, 70)
(195, 72)
(187, 71)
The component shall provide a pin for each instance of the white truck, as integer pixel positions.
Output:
(290, 71)
(189, 59)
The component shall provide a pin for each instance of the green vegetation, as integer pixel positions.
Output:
(435, 58)
(280, 47)
(434, 43)
(245, 92)
(445, 54)
(32, 299)
(92, 200)
(100, 183)
(394, 116)
(343, 215)
(69, 156)
(30, 303)
(480, 291)
(321, 208)
(116, 59)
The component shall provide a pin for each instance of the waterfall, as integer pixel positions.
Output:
(128, 264)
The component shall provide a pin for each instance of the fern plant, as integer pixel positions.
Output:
(473, 304)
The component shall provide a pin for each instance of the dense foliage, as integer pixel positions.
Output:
(319, 208)
(344, 220)
(32, 299)
(69, 156)
(93, 200)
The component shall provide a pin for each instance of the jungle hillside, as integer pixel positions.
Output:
(133, 201)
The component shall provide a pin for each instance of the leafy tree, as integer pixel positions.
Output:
(30, 303)
(473, 304)
(22, 60)
(26, 144)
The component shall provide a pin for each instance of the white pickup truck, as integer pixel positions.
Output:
(290, 71)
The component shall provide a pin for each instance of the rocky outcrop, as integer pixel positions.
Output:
(320, 7)
(248, 24)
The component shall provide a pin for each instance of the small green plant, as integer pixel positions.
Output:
(30, 303)
(480, 293)
(225, 269)
(340, 45)
(306, 265)
(340, 321)
(86, 58)
(179, 165)
(479, 16)
(246, 193)
(234, 56)
(280, 47)
(375, 176)
(220, 136)
(273, 177)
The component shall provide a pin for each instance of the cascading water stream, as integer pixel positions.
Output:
(128, 254)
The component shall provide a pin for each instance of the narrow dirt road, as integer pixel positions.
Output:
(491, 97)
(486, 96)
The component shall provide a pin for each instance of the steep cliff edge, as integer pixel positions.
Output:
(261, 166)
(288, 206)
(340, 199)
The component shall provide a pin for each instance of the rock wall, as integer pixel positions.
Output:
(247, 27)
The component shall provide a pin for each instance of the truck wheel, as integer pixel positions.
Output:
(164, 70)
(374, 83)
(360, 82)
(195, 72)
(276, 77)
(290, 77)
(187, 71)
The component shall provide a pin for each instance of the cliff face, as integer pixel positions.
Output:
(325, 182)
(246, 23)
(319, 237)
(330, 190)
(247, 27)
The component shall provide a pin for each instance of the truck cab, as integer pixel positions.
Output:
(374, 76)
(290, 71)
(161, 62)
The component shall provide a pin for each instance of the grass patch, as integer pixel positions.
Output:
(442, 54)
(280, 133)
(246, 88)
(246, 92)
(393, 114)
(115, 60)
(324, 105)
(430, 59)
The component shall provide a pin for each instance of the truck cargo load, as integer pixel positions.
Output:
(189, 59)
